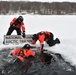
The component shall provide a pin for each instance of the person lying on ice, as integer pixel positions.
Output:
(23, 53)
(46, 36)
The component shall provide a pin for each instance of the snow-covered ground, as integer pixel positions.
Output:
(62, 27)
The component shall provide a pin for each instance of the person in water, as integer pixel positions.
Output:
(23, 53)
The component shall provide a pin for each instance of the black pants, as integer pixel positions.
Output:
(51, 40)
(11, 29)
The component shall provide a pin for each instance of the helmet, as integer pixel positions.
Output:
(20, 19)
(35, 37)
(26, 46)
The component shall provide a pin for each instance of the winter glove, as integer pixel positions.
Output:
(24, 34)
(11, 54)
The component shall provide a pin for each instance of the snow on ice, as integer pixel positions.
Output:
(63, 27)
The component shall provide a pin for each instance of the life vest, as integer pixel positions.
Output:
(21, 53)
(46, 34)
(26, 53)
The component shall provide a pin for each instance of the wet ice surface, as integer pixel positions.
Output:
(39, 65)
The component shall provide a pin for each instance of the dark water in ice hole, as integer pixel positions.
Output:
(44, 63)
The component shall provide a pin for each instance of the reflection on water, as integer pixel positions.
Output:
(42, 64)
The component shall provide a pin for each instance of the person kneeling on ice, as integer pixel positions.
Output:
(46, 36)
(23, 53)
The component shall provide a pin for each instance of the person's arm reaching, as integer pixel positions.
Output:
(23, 29)
(41, 47)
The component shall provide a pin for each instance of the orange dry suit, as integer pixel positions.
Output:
(45, 36)
(23, 54)
(42, 36)
(18, 25)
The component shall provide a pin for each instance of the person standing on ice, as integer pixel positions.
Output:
(17, 24)
(46, 36)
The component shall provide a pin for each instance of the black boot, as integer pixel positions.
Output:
(57, 40)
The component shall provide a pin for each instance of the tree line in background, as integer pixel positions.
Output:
(42, 8)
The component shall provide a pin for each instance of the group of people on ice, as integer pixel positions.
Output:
(26, 51)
